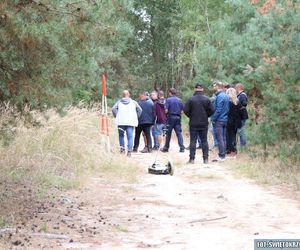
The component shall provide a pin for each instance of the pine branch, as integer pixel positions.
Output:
(48, 8)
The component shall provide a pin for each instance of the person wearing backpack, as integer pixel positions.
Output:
(243, 99)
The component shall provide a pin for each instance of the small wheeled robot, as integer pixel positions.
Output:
(158, 167)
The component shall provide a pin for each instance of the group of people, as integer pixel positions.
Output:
(154, 116)
(229, 118)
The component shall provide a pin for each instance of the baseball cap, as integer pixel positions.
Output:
(199, 86)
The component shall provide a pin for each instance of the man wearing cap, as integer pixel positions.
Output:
(198, 108)
(174, 108)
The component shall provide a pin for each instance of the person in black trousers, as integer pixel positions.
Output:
(146, 120)
(174, 108)
(198, 108)
(233, 123)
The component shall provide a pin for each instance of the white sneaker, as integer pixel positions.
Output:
(218, 159)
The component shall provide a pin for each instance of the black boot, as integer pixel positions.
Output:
(191, 161)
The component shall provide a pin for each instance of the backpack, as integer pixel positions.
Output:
(245, 102)
(243, 113)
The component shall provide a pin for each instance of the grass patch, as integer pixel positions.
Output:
(2, 223)
(44, 227)
(210, 176)
(179, 163)
(271, 172)
(120, 167)
(128, 189)
(60, 153)
(59, 182)
(122, 229)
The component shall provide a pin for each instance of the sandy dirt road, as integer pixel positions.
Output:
(197, 208)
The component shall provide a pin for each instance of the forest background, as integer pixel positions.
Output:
(53, 52)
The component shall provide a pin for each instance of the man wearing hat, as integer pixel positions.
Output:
(198, 108)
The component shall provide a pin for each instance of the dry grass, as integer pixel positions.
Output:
(61, 148)
(59, 154)
(271, 172)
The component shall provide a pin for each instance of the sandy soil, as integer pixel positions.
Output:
(196, 208)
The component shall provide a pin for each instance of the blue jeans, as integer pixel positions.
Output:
(220, 133)
(174, 122)
(214, 136)
(195, 134)
(129, 135)
(157, 130)
(242, 134)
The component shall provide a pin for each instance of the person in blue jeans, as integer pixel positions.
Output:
(219, 119)
(127, 112)
(160, 120)
(174, 108)
(243, 99)
(211, 129)
(154, 129)
(215, 141)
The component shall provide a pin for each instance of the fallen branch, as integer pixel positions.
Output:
(205, 220)
(7, 230)
(51, 236)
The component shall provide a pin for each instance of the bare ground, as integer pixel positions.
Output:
(197, 208)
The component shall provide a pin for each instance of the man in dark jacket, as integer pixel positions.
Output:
(146, 120)
(174, 108)
(160, 119)
(154, 98)
(243, 99)
(198, 108)
(219, 119)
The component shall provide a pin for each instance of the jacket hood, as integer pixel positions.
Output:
(161, 102)
(125, 100)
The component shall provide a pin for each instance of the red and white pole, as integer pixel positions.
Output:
(104, 113)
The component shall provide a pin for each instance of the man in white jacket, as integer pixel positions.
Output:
(127, 112)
